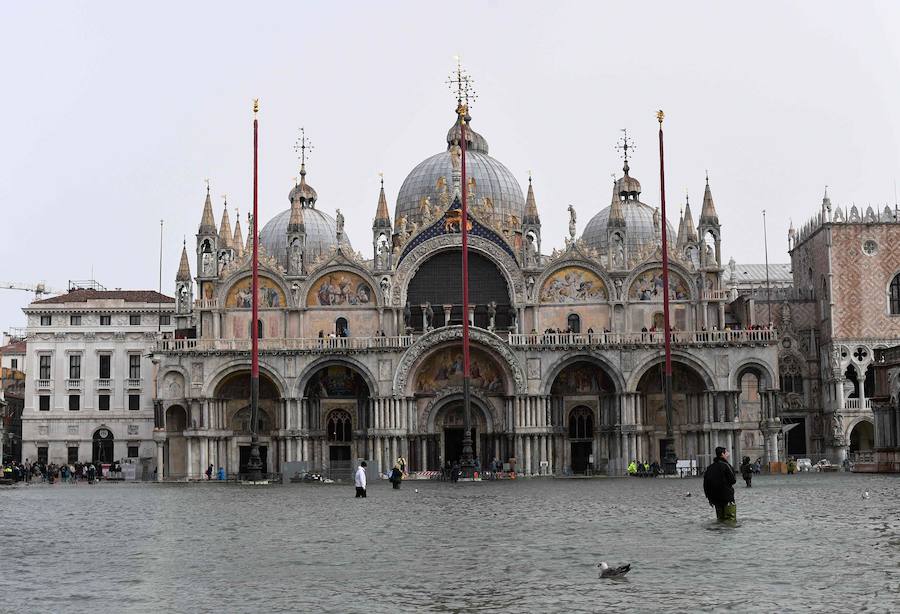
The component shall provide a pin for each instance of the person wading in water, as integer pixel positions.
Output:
(718, 485)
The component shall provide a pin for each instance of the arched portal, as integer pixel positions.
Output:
(103, 446)
(582, 397)
(233, 393)
(862, 437)
(581, 438)
(337, 410)
(439, 282)
(175, 453)
(688, 388)
(449, 427)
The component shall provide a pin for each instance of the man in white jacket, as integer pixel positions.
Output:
(360, 480)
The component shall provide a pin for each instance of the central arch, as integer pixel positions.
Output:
(444, 428)
(438, 281)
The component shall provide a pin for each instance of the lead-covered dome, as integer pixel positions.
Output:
(320, 228)
(640, 229)
(496, 189)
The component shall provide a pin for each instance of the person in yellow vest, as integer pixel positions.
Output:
(632, 468)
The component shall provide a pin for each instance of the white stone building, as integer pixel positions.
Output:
(89, 387)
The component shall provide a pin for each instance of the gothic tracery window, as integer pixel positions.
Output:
(895, 295)
(581, 423)
(339, 426)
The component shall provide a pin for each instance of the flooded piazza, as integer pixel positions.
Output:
(803, 543)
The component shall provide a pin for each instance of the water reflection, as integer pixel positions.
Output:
(492, 547)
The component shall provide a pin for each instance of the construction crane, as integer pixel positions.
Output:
(39, 288)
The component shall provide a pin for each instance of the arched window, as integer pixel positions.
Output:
(791, 375)
(581, 423)
(339, 426)
(895, 295)
(341, 328)
(574, 323)
(259, 329)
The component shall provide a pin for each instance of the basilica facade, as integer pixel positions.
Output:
(360, 356)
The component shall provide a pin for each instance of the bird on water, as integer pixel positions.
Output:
(613, 572)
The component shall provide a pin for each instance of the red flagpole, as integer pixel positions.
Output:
(254, 466)
(669, 461)
(467, 462)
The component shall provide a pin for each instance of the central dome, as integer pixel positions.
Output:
(493, 182)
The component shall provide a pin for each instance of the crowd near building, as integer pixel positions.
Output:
(360, 355)
(90, 380)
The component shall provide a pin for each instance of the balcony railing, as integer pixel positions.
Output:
(73, 384)
(857, 404)
(717, 337)
(133, 383)
(205, 303)
(716, 295)
(539, 340)
(308, 344)
(104, 383)
(44, 384)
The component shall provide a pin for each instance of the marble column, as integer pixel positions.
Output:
(527, 446)
(188, 441)
(159, 461)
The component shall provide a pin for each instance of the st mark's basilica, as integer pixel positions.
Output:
(360, 355)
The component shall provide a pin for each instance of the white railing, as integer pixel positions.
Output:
(73, 384)
(716, 295)
(133, 383)
(44, 384)
(716, 337)
(856, 404)
(104, 383)
(205, 303)
(310, 344)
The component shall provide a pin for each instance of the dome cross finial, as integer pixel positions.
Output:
(301, 146)
(624, 145)
(461, 82)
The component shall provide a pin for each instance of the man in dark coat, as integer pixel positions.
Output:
(718, 485)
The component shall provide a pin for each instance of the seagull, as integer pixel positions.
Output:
(613, 572)
(865, 495)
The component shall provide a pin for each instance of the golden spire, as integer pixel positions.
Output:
(207, 221)
(225, 227)
(237, 242)
(184, 268)
(382, 217)
(531, 210)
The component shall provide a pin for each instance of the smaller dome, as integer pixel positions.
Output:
(628, 185)
(320, 231)
(474, 141)
(303, 191)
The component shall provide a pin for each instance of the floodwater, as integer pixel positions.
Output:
(803, 543)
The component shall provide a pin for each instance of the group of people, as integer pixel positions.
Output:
(643, 469)
(51, 473)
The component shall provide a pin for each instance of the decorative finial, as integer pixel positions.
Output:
(381, 177)
(465, 94)
(207, 185)
(660, 116)
(255, 106)
(225, 198)
(529, 177)
(184, 241)
(301, 146)
(625, 144)
(707, 176)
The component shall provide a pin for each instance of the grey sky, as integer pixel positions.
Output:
(115, 115)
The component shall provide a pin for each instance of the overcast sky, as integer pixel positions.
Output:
(114, 116)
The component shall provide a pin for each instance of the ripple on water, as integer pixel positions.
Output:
(489, 547)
